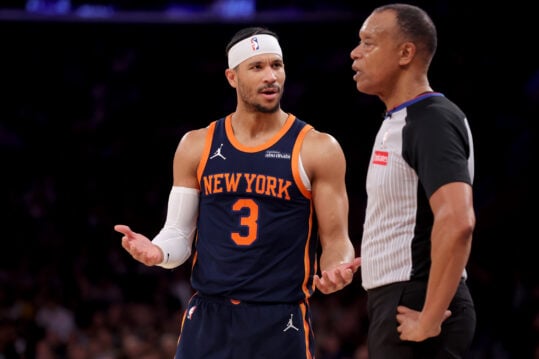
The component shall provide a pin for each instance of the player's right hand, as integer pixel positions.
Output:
(139, 246)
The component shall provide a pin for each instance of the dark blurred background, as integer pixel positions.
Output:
(95, 96)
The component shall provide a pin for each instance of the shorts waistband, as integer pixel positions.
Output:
(229, 300)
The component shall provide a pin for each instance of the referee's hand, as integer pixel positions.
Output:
(410, 327)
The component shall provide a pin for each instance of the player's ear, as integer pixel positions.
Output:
(230, 75)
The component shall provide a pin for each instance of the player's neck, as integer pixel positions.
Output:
(252, 129)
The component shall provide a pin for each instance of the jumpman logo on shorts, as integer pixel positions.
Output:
(217, 153)
(290, 324)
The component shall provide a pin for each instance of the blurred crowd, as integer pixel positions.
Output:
(87, 134)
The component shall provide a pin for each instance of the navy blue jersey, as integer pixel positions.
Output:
(254, 240)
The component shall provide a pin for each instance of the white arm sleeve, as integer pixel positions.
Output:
(176, 238)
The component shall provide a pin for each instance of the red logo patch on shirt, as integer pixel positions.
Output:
(380, 158)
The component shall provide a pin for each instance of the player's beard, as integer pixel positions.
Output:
(266, 109)
(250, 101)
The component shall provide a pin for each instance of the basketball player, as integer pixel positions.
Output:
(246, 188)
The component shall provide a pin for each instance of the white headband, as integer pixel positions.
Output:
(252, 46)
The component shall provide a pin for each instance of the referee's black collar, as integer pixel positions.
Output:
(418, 98)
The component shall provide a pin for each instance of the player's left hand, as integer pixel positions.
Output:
(337, 278)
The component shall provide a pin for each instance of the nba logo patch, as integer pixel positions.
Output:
(254, 43)
(191, 311)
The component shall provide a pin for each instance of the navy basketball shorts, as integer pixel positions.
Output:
(384, 341)
(221, 328)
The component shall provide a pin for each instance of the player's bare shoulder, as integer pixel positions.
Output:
(187, 157)
(319, 144)
(192, 144)
(322, 152)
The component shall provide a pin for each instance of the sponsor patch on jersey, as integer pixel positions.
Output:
(277, 154)
(380, 158)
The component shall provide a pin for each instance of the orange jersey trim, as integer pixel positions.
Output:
(295, 161)
(233, 140)
(205, 151)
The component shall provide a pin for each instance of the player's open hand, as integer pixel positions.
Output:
(139, 246)
(337, 278)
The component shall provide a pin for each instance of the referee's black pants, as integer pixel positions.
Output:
(384, 341)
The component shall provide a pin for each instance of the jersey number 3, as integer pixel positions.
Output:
(250, 221)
